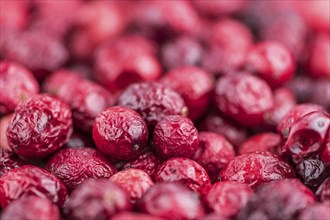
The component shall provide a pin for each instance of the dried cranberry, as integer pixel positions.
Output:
(4, 122)
(282, 199)
(185, 171)
(30, 208)
(175, 136)
(120, 133)
(316, 211)
(219, 8)
(323, 192)
(16, 85)
(319, 65)
(214, 153)
(135, 216)
(265, 141)
(8, 161)
(243, 97)
(96, 199)
(227, 198)
(256, 168)
(194, 85)
(153, 101)
(84, 163)
(31, 180)
(171, 201)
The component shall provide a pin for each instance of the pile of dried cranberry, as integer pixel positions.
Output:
(151, 110)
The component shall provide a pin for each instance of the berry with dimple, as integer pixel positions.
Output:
(84, 163)
(16, 85)
(39, 127)
(120, 132)
(317, 211)
(4, 122)
(194, 85)
(31, 180)
(175, 136)
(30, 208)
(256, 168)
(8, 161)
(153, 101)
(171, 201)
(243, 97)
(266, 141)
(323, 192)
(227, 198)
(318, 64)
(96, 199)
(282, 199)
(135, 182)
(214, 153)
(186, 171)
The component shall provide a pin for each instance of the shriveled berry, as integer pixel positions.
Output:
(31, 180)
(317, 211)
(266, 141)
(171, 201)
(185, 171)
(120, 133)
(319, 65)
(256, 168)
(39, 127)
(214, 152)
(323, 192)
(153, 101)
(175, 136)
(8, 161)
(96, 199)
(244, 98)
(227, 198)
(135, 182)
(74, 165)
(30, 208)
(135, 216)
(4, 122)
(282, 199)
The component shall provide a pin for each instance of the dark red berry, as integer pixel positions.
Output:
(317, 211)
(185, 171)
(16, 85)
(256, 168)
(8, 161)
(135, 216)
(84, 163)
(120, 133)
(96, 199)
(319, 65)
(39, 127)
(4, 122)
(175, 136)
(31, 180)
(171, 201)
(266, 141)
(153, 101)
(323, 192)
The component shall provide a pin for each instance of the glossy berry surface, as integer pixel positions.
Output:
(185, 171)
(120, 132)
(8, 161)
(266, 141)
(73, 166)
(175, 136)
(39, 127)
(31, 180)
(96, 199)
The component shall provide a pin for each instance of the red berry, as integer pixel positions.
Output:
(31, 180)
(135, 216)
(316, 211)
(39, 127)
(8, 161)
(325, 152)
(319, 65)
(175, 136)
(185, 171)
(15, 16)
(265, 141)
(4, 122)
(323, 192)
(219, 8)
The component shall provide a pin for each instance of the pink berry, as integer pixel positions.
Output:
(316, 211)
(323, 192)
(219, 8)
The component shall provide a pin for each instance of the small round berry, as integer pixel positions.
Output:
(266, 141)
(39, 127)
(323, 192)
(8, 161)
(317, 211)
(185, 171)
(84, 163)
(175, 136)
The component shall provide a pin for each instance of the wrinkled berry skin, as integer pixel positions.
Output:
(8, 161)
(319, 65)
(282, 199)
(30, 208)
(175, 136)
(120, 133)
(135, 182)
(214, 152)
(16, 85)
(256, 168)
(39, 127)
(153, 101)
(316, 211)
(135, 216)
(227, 198)
(4, 122)
(31, 180)
(74, 165)
(96, 199)
(194, 85)
(323, 192)
(171, 201)
(266, 141)
(245, 98)
(185, 171)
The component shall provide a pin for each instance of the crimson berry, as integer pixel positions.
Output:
(40, 126)
(219, 8)
(84, 163)
(323, 192)
(316, 211)
(256, 168)
(319, 65)
(8, 161)
(31, 180)
(266, 141)
(4, 122)
(175, 136)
